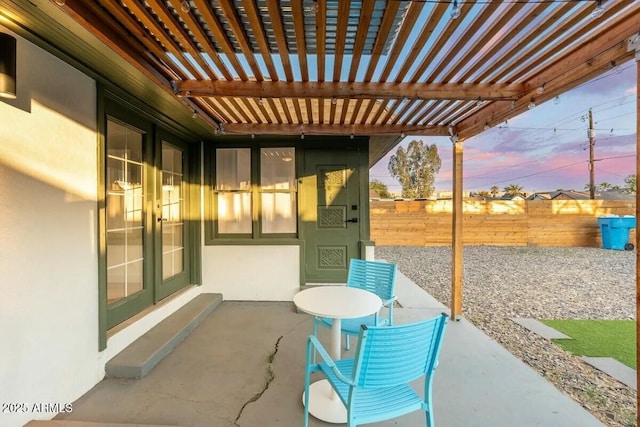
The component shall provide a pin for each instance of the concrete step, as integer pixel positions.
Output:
(143, 354)
(64, 423)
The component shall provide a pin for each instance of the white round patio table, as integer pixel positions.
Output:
(336, 302)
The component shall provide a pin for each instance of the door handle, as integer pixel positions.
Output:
(352, 220)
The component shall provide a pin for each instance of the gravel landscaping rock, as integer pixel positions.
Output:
(503, 282)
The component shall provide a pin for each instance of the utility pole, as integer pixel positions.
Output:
(592, 143)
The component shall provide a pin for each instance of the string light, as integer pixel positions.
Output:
(334, 100)
(556, 100)
(540, 89)
(185, 6)
(598, 11)
(532, 104)
(455, 10)
(615, 67)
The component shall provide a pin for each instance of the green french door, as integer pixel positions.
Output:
(173, 251)
(145, 205)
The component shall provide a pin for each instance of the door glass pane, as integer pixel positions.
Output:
(124, 211)
(172, 211)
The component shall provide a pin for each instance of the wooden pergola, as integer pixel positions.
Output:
(382, 68)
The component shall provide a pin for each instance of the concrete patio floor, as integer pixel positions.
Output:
(244, 366)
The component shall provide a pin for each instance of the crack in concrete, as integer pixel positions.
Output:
(270, 378)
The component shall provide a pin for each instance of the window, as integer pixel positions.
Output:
(255, 192)
(233, 184)
(277, 188)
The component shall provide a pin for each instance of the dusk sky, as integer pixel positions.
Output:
(547, 148)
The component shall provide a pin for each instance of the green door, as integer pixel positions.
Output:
(129, 227)
(146, 240)
(172, 254)
(330, 213)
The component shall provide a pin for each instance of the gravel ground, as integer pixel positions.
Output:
(502, 282)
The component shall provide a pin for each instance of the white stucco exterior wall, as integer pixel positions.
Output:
(48, 260)
(48, 232)
(252, 272)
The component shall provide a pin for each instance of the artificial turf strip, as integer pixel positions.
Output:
(598, 338)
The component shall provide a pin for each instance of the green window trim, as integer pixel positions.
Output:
(256, 236)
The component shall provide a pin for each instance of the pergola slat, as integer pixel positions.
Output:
(229, 11)
(413, 12)
(301, 44)
(474, 28)
(388, 17)
(410, 62)
(278, 30)
(256, 25)
(341, 34)
(441, 42)
(429, 27)
(184, 39)
(204, 7)
(485, 37)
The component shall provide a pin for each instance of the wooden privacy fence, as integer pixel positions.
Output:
(496, 222)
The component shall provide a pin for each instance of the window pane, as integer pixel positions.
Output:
(277, 178)
(172, 211)
(278, 212)
(233, 169)
(124, 211)
(234, 213)
(277, 168)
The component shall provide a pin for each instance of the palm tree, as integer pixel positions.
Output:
(630, 181)
(513, 189)
(494, 191)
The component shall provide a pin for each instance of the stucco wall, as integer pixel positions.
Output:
(252, 273)
(48, 261)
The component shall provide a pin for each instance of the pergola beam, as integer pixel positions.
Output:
(333, 129)
(353, 90)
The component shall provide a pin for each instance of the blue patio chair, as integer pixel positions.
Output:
(373, 276)
(374, 385)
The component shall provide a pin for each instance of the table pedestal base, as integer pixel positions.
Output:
(324, 404)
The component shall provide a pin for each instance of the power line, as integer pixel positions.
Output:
(550, 170)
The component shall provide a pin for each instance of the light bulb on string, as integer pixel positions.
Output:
(598, 11)
(455, 10)
(532, 104)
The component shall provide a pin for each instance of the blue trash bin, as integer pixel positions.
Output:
(614, 231)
